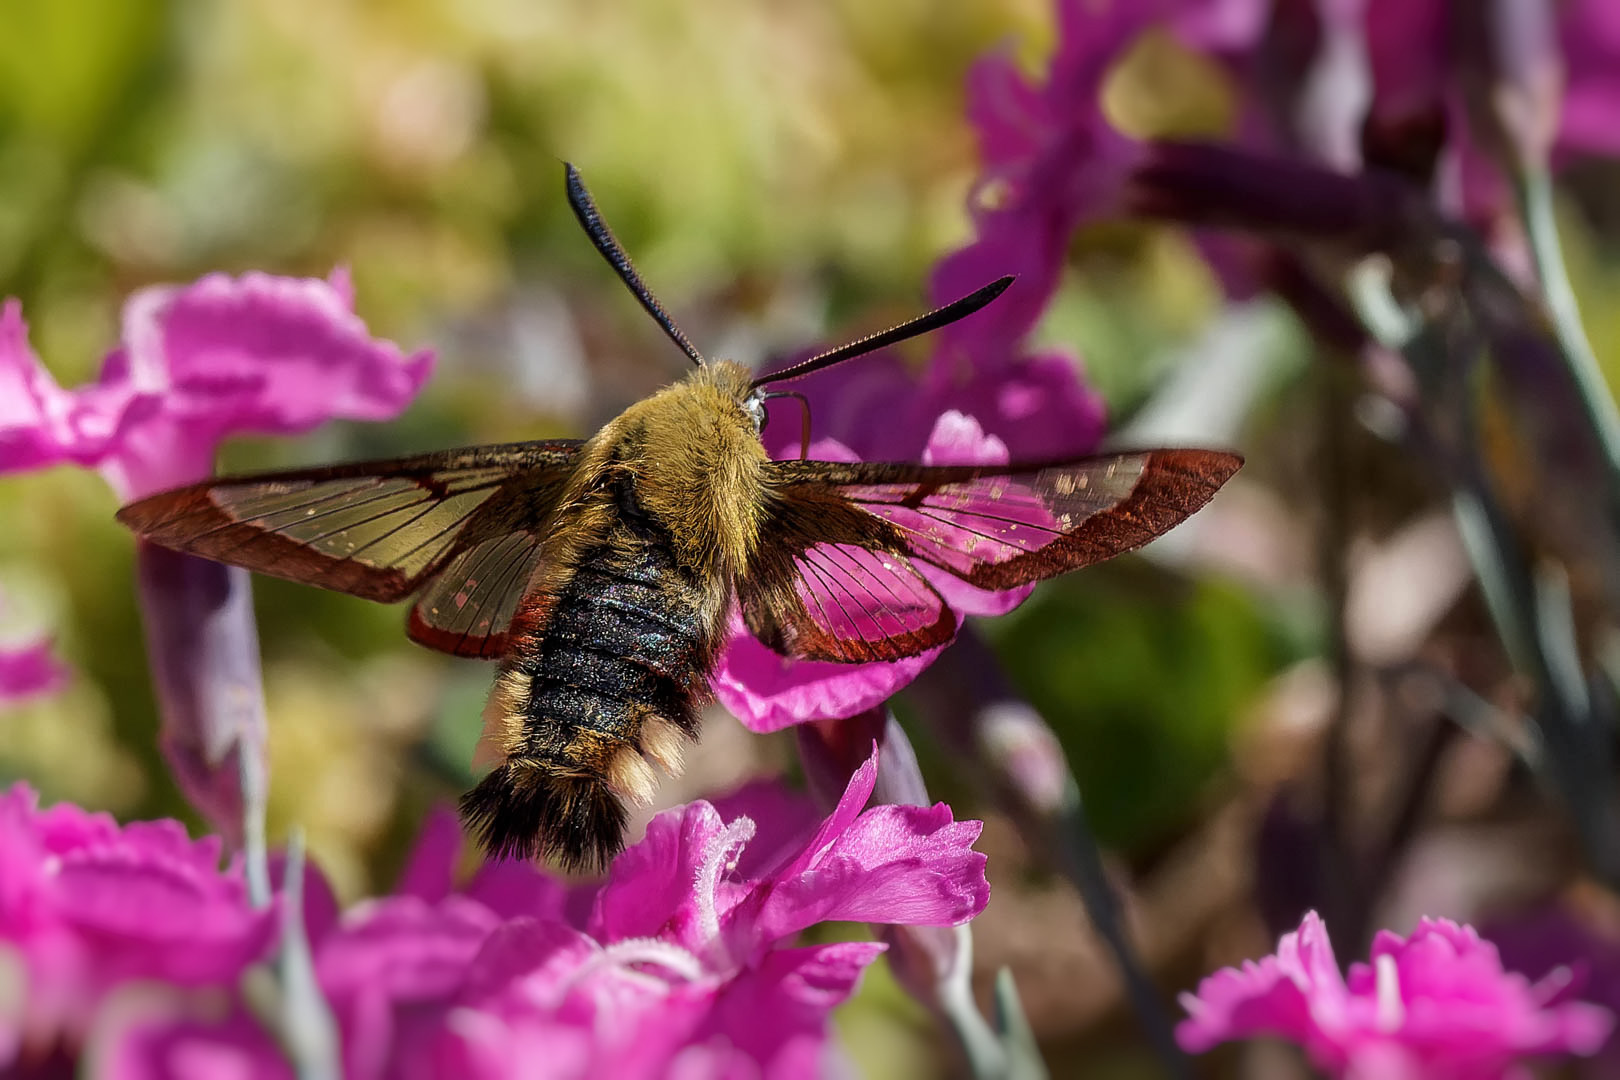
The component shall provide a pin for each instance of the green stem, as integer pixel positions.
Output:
(308, 1032)
(961, 694)
(251, 770)
(1541, 224)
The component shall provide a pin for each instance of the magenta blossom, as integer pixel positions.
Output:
(27, 669)
(1434, 1006)
(1052, 161)
(198, 363)
(86, 905)
(681, 963)
(1558, 936)
(685, 962)
(40, 423)
(253, 354)
(1589, 33)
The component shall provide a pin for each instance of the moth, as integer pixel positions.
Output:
(603, 573)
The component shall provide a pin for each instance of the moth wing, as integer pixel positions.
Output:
(992, 526)
(849, 601)
(468, 607)
(468, 521)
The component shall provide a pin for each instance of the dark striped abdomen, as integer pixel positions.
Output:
(617, 671)
(624, 644)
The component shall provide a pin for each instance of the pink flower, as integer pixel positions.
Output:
(86, 906)
(199, 363)
(1050, 163)
(683, 961)
(1435, 1006)
(170, 1041)
(1589, 32)
(27, 669)
(1557, 936)
(40, 423)
(680, 964)
(1414, 53)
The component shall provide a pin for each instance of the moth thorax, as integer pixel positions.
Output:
(703, 476)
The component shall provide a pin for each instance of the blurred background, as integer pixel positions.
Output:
(783, 174)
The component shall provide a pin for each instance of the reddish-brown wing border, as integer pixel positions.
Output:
(825, 502)
(1171, 486)
(520, 484)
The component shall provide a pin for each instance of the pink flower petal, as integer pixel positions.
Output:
(29, 671)
(889, 864)
(1036, 407)
(87, 906)
(430, 870)
(513, 889)
(40, 423)
(1435, 1004)
(769, 692)
(896, 864)
(321, 914)
(672, 884)
(777, 1013)
(784, 821)
(257, 353)
(173, 1045)
(391, 959)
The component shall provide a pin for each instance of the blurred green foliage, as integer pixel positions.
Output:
(1142, 679)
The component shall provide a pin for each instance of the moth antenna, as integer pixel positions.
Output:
(591, 220)
(957, 309)
(804, 431)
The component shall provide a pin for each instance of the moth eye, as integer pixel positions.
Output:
(755, 409)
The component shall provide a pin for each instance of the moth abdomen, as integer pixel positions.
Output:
(529, 807)
(608, 675)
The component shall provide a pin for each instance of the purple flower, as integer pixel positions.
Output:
(684, 961)
(86, 906)
(1051, 161)
(681, 963)
(1418, 53)
(1436, 1005)
(28, 669)
(40, 423)
(1558, 936)
(1589, 33)
(169, 1041)
(197, 364)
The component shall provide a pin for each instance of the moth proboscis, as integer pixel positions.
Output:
(602, 573)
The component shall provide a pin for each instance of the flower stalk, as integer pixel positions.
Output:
(934, 964)
(203, 648)
(1022, 764)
